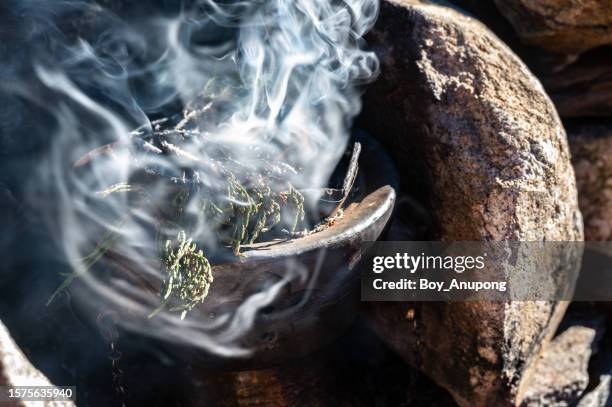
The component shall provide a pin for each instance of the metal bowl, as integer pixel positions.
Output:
(313, 307)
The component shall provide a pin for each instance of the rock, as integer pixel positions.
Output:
(600, 395)
(591, 146)
(583, 89)
(469, 115)
(579, 85)
(473, 132)
(16, 370)
(562, 26)
(537, 59)
(561, 373)
(599, 391)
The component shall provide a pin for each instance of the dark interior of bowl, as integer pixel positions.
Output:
(307, 312)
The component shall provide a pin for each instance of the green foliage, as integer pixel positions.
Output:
(250, 204)
(247, 213)
(87, 262)
(258, 210)
(188, 275)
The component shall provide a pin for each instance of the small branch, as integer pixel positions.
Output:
(349, 179)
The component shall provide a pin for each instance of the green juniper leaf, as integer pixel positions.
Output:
(188, 275)
(239, 212)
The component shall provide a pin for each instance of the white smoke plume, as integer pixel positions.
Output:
(281, 79)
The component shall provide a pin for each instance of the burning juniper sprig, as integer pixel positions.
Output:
(268, 213)
(297, 199)
(243, 207)
(258, 209)
(188, 275)
(87, 262)
(253, 203)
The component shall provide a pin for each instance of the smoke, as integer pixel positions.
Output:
(268, 87)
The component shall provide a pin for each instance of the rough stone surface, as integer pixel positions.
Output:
(599, 396)
(539, 61)
(583, 89)
(473, 131)
(16, 370)
(463, 107)
(561, 373)
(591, 146)
(563, 26)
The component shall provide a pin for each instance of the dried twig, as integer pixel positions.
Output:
(349, 179)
